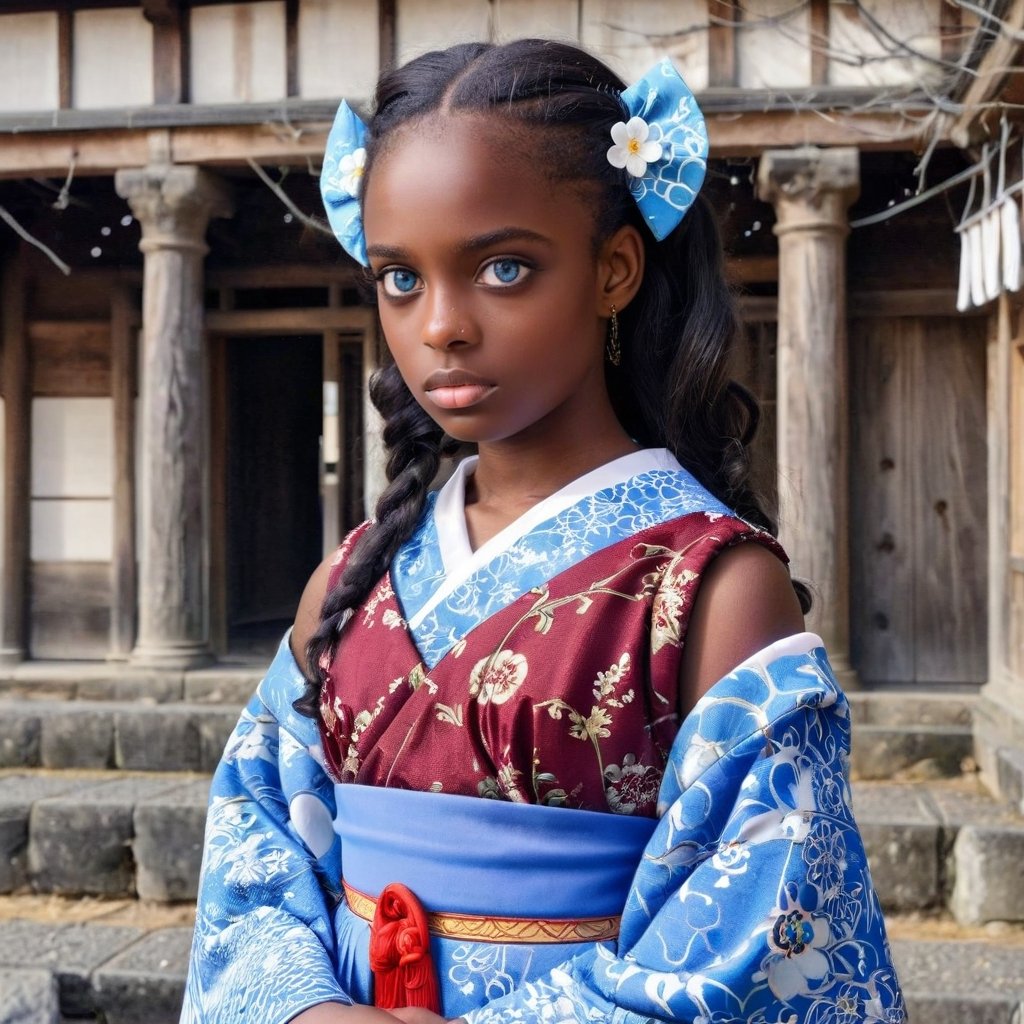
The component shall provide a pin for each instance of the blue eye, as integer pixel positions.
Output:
(398, 281)
(504, 272)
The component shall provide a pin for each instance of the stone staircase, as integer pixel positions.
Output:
(103, 783)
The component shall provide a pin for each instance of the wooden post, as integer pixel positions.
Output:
(723, 16)
(170, 50)
(123, 375)
(173, 204)
(811, 190)
(17, 464)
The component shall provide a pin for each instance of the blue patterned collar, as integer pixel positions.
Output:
(445, 589)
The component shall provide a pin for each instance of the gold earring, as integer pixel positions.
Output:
(614, 349)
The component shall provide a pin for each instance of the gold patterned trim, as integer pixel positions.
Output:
(479, 928)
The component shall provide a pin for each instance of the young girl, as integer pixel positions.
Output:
(565, 752)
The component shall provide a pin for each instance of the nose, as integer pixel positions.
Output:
(448, 323)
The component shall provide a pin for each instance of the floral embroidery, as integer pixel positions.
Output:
(669, 605)
(797, 936)
(634, 148)
(631, 786)
(494, 680)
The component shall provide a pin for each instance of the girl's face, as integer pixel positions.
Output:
(491, 296)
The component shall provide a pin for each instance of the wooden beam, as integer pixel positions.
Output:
(288, 321)
(48, 154)
(723, 16)
(170, 50)
(287, 275)
(291, 44)
(1000, 69)
(917, 302)
(387, 11)
(17, 463)
(65, 58)
(123, 363)
(820, 41)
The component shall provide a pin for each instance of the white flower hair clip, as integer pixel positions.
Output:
(663, 147)
(633, 147)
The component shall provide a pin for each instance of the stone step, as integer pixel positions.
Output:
(228, 682)
(126, 965)
(180, 736)
(911, 735)
(109, 834)
(140, 723)
(945, 844)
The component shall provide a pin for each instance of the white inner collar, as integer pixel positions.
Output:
(457, 555)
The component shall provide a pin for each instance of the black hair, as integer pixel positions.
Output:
(672, 388)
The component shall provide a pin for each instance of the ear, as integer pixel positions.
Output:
(620, 269)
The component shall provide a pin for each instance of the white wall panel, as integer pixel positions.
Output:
(339, 42)
(113, 59)
(435, 24)
(633, 36)
(72, 447)
(548, 19)
(28, 62)
(238, 53)
(853, 38)
(70, 530)
(773, 45)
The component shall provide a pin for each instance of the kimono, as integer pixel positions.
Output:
(500, 734)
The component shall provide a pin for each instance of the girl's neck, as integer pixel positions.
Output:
(511, 477)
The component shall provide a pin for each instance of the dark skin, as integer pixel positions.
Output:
(495, 274)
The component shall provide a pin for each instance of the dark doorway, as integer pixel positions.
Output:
(274, 530)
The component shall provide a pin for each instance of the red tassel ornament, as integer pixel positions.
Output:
(403, 970)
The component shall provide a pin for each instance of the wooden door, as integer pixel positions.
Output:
(918, 523)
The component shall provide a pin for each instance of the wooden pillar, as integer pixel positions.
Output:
(811, 189)
(17, 383)
(173, 205)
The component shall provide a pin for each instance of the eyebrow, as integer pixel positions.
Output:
(469, 245)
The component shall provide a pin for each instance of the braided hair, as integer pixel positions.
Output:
(672, 388)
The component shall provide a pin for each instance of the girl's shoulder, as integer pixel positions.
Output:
(325, 577)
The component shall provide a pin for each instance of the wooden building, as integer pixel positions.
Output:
(184, 430)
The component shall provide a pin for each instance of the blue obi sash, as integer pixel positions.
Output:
(486, 859)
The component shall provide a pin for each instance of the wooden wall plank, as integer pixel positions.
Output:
(291, 46)
(819, 41)
(70, 357)
(881, 527)
(70, 610)
(170, 50)
(65, 58)
(723, 17)
(949, 501)
(387, 39)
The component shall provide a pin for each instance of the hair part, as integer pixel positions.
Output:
(672, 388)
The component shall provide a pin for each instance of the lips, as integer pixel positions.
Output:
(457, 388)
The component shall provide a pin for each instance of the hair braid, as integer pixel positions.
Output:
(415, 446)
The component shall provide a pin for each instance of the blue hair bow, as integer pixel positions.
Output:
(663, 148)
(341, 179)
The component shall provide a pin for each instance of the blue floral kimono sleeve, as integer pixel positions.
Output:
(753, 902)
(264, 939)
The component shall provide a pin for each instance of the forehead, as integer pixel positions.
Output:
(459, 175)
